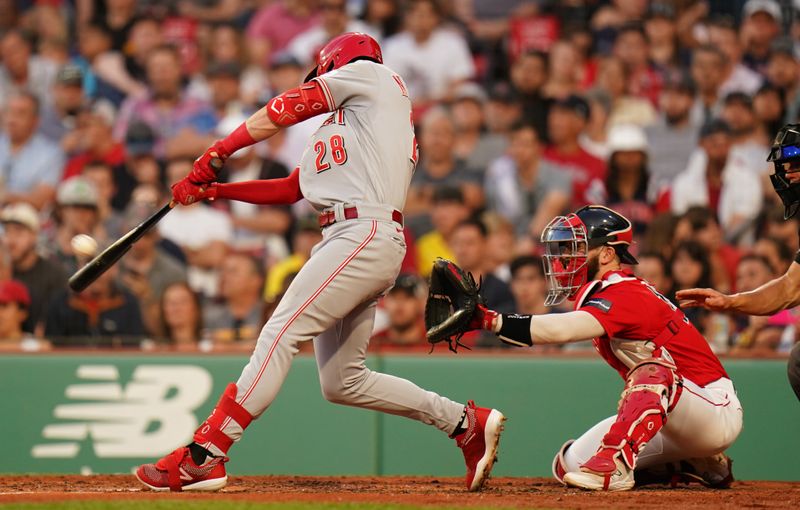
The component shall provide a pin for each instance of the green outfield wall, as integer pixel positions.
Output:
(107, 414)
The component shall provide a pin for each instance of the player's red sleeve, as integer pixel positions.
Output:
(264, 192)
(298, 104)
(613, 310)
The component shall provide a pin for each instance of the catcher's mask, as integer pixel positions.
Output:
(786, 149)
(567, 241)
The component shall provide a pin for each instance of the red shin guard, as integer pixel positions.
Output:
(210, 431)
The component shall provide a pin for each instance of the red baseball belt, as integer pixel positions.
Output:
(328, 218)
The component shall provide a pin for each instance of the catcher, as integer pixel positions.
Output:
(679, 409)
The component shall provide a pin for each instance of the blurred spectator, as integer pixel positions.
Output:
(566, 120)
(105, 75)
(144, 37)
(77, 212)
(274, 25)
(700, 224)
(439, 165)
(783, 72)
(14, 305)
(607, 20)
(181, 318)
(59, 117)
(628, 176)
(205, 248)
(565, 71)
(139, 160)
(502, 244)
(525, 189)
(594, 137)
(102, 176)
(473, 144)
(768, 104)
(468, 243)
(432, 60)
(502, 110)
(334, 20)
(21, 71)
(447, 211)
(42, 277)
(181, 123)
(724, 184)
(660, 235)
(103, 315)
(147, 270)
(690, 268)
(383, 17)
(614, 78)
(632, 48)
(662, 36)
(30, 164)
(528, 76)
(239, 315)
(404, 306)
(784, 231)
(212, 12)
(307, 235)
(528, 285)
(776, 252)
(653, 268)
(708, 68)
(737, 77)
(748, 140)
(117, 17)
(761, 24)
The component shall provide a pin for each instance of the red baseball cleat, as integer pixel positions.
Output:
(177, 472)
(479, 443)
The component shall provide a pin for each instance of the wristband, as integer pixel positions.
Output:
(515, 329)
(238, 139)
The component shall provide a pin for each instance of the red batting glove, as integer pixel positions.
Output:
(202, 171)
(186, 192)
(483, 318)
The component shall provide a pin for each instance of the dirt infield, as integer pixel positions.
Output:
(426, 491)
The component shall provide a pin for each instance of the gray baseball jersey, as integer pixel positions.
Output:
(365, 152)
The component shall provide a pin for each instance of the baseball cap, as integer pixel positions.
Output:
(502, 93)
(70, 75)
(21, 213)
(284, 59)
(575, 104)
(77, 191)
(471, 91)
(627, 137)
(661, 10)
(447, 194)
(409, 283)
(713, 127)
(738, 98)
(139, 139)
(229, 68)
(771, 7)
(13, 291)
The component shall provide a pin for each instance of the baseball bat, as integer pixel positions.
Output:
(108, 257)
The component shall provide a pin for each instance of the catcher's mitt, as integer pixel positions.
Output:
(453, 298)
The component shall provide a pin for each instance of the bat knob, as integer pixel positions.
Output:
(216, 164)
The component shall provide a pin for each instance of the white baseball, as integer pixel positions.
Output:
(84, 245)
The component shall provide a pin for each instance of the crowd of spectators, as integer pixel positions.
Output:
(663, 110)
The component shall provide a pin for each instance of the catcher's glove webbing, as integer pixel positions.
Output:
(452, 300)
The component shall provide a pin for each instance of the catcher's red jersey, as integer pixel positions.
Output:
(637, 319)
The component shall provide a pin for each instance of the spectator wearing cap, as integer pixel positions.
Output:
(22, 70)
(613, 77)
(476, 147)
(333, 21)
(205, 248)
(761, 24)
(15, 303)
(224, 83)
(274, 25)
(783, 72)
(748, 139)
(305, 236)
(447, 211)
(628, 176)
(525, 189)
(503, 110)
(77, 212)
(672, 138)
(716, 179)
(528, 76)
(180, 123)
(632, 47)
(566, 121)
(59, 117)
(737, 77)
(30, 164)
(707, 70)
(41, 276)
(404, 308)
(432, 60)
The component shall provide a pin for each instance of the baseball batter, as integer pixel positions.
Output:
(678, 411)
(355, 171)
(781, 293)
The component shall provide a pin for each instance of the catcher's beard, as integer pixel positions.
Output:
(592, 266)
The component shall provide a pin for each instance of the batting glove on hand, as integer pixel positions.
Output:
(186, 192)
(205, 168)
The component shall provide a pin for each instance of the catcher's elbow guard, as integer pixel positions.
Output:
(298, 104)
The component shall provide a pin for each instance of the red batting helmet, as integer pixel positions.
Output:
(344, 49)
(567, 241)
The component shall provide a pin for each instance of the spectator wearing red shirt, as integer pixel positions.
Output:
(566, 120)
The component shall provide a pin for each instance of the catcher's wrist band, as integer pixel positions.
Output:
(515, 329)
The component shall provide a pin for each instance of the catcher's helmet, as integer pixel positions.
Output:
(344, 49)
(786, 149)
(567, 241)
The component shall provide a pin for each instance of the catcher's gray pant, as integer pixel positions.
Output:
(705, 421)
(332, 301)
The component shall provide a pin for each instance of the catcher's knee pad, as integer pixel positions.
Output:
(210, 431)
(559, 463)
